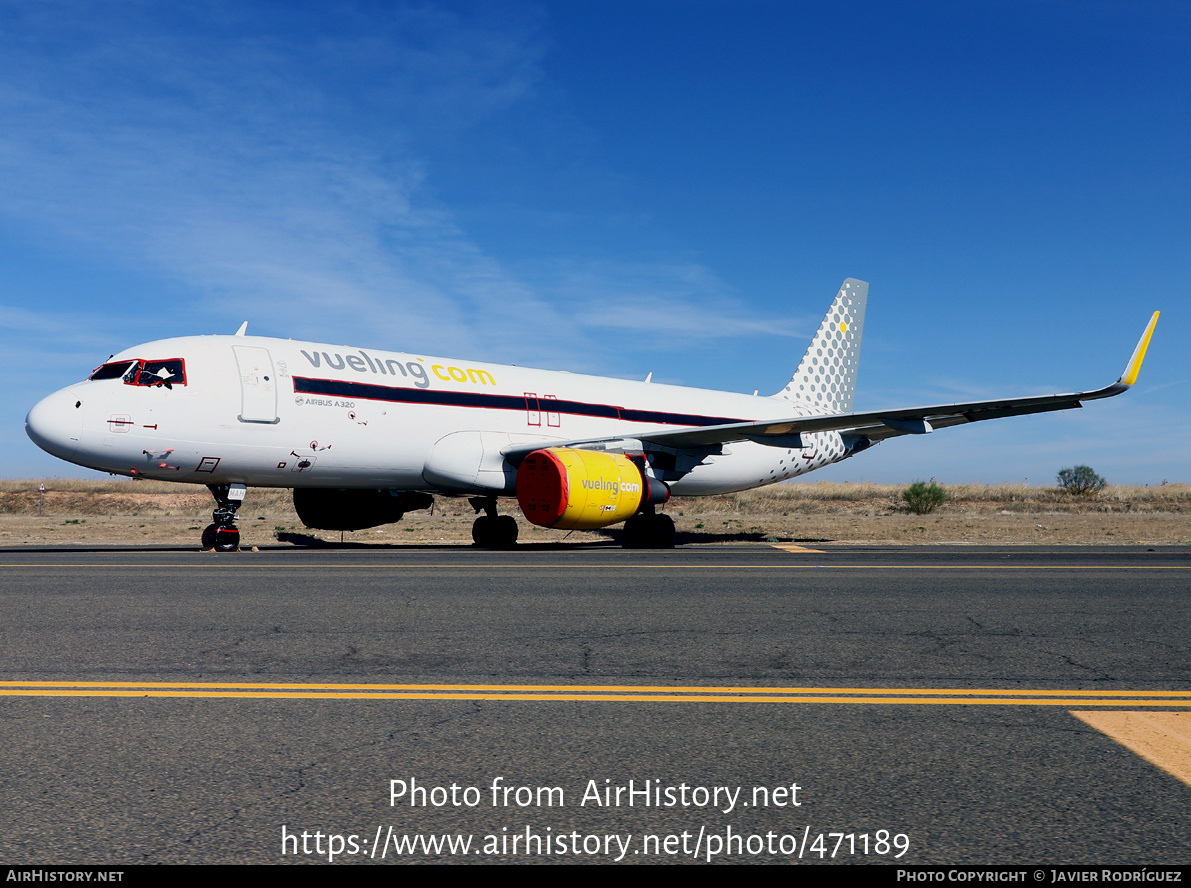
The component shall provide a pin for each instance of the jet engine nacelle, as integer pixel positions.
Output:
(583, 489)
(354, 509)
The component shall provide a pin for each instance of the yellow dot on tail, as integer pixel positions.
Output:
(843, 327)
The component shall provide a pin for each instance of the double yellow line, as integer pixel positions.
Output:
(602, 693)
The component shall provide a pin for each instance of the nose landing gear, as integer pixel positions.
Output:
(223, 535)
(492, 531)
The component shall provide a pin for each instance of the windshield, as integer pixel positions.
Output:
(110, 371)
(168, 373)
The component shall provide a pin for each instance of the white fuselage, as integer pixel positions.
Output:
(279, 413)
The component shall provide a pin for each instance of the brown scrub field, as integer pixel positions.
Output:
(125, 512)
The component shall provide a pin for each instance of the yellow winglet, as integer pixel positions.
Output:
(1130, 375)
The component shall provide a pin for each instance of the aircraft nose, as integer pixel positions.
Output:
(55, 423)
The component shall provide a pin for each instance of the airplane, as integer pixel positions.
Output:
(364, 436)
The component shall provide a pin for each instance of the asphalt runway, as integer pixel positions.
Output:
(169, 706)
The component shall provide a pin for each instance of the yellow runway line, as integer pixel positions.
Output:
(596, 698)
(636, 568)
(575, 689)
(790, 547)
(1161, 738)
(601, 693)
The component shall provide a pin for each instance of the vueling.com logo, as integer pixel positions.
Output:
(611, 486)
(366, 363)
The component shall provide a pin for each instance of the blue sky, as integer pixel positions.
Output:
(619, 188)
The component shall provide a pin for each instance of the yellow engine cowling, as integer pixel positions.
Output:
(578, 489)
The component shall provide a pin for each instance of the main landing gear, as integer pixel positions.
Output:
(649, 530)
(223, 535)
(492, 531)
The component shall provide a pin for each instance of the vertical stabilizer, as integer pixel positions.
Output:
(826, 378)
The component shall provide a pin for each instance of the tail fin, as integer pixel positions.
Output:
(826, 378)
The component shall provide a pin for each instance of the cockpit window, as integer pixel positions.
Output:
(111, 371)
(168, 373)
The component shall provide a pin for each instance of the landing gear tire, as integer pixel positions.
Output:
(494, 532)
(506, 532)
(481, 531)
(645, 531)
(663, 532)
(221, 539)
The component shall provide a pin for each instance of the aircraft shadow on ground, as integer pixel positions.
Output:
(741, 537)
(602, 540)
(308, 541)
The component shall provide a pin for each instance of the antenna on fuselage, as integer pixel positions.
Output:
(243, 329)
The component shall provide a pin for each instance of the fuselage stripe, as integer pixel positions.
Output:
(340, 388)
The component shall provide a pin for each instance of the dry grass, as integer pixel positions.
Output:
(74, 498)
(118, 512)
(871, 499)
(120, 497)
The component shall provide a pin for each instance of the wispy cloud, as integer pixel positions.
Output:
(669, 304)
(223, 167)
(283, 171)
(281, 166)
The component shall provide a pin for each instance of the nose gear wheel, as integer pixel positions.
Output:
(222, 535)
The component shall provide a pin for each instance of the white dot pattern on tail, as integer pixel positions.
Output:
(826, 378)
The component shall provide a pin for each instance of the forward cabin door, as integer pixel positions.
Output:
(258, 384)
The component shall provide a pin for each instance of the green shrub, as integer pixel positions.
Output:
(922, 498)
(1082, 481)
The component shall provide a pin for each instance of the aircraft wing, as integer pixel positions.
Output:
(874, 425)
